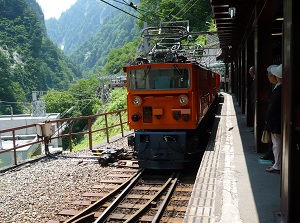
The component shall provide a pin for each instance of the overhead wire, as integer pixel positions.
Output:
(186, 6)
(122, 9)
(135, 8)
(119, 9)
(139, 11)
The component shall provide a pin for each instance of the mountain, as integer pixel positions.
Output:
(92, 54)
(90, 29)
(78, 24)
(83, 20)
(29, 61)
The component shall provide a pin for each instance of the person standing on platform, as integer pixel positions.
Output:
(251, 98)
(223, 82)
(273, 119)
(251, 89)
(272, 79)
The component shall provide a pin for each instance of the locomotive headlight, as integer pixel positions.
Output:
(137, 101)
(136, 117)
(183, 99)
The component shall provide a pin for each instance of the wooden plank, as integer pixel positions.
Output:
(119, 217)
(120, 175)
(105, 186)
(174, 208)
(69, 212)
(180, 198)
(143, 219)
(148, 218)
(171, 220)
(146, 196)
(131, 206)
(52, 221)
(113, 181)
(138, 206)
(155, 182)
(181, 189)
(84, 203)
(125, 205)
(98, 214)
(90, 194)
(125, 170)
(138, 196)
(148, 188)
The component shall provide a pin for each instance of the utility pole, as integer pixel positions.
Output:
(1, 147)
(38, 106)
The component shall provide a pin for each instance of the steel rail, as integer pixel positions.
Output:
(145, 207)
(87, 212)
(165, 202)
(86, 219)
(118, 200)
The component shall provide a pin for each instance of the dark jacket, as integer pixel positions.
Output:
(273, 115)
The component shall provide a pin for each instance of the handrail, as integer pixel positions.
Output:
(70, 133)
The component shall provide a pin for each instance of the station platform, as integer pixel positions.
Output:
(232, 185)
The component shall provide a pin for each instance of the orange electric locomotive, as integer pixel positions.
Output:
(167, 98)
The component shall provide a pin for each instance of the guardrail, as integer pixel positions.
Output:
(67, 123)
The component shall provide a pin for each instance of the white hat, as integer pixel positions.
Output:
(269, 67)
(277, 71)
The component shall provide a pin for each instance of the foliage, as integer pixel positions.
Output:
(118, 58)
(58, 101)
(79, 100)
(94, 43)
(31, 61)
(117, 102)
(102, 43)
(82, 100)
(78, 24)
(9, 90)
(156, 11)
(115, 33)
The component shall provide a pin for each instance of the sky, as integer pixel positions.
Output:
(54, 8)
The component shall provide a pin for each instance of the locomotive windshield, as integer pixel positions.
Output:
(158, 79)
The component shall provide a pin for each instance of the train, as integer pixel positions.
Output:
(168, 96)
(119, 81)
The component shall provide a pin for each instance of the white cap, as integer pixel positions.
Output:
(269, 67)
(277, 71)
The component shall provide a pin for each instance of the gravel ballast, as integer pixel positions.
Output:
(37, 191)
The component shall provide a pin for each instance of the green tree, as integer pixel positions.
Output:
(156, 11)
(117, 100)
(10, 91)
(58, 101)
(34, 63)
(118, 58)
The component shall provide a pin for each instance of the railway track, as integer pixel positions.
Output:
(131, 195)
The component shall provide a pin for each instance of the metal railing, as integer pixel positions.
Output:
(67, 123)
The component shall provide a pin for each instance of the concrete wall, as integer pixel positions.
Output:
(23, 136)
(8, 122)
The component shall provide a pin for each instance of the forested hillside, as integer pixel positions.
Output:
(93, 54)
(98, 38)
(90, 29)
(78, 23)
(29, 61)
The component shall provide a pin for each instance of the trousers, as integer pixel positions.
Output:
(277, 150)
